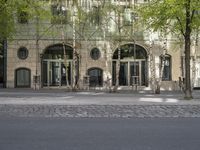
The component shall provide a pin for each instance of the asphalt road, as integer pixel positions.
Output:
(99, 134)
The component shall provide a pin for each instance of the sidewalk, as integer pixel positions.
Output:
(62, 97)
(59, 103)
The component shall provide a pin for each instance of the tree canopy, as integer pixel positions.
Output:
(177, 16)
(171, 14)
(11, 9)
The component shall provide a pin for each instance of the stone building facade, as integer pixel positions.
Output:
(42, 57)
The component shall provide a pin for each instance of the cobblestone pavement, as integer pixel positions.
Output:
(125, 111)
(92, 104)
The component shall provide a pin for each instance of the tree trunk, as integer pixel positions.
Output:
(66, 66)
(158, 82)
(117, 69)
(187, 36)
(119, 54)
(187, 90)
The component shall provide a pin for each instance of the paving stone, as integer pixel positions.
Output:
(113, 111)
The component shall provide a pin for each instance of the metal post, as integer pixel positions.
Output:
(37, 51)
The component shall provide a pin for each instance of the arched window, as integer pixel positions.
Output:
(133, 64)
(166, 76)
(55, 71)
(96, 77)
(23, 77)
(56, 52)
(131, 51)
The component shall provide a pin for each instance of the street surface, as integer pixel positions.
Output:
(99, 133)
(91, 120)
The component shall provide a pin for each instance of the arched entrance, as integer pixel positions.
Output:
(133, 65)
(96, 77)
(54, 71)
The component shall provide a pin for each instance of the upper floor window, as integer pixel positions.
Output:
(59, 13)
(128, 16)
(22, 16)
(167, 67)
(95, 17)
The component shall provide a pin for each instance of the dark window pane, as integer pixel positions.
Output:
(22, 53)
(123, 73)
(143, 73)
(22, 17)
(95, 53)
(96, 77)
(45, 74)
(114, 72)
(131, 51)
(57, 52)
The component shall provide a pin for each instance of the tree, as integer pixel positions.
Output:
(11, 9)
(177, 16)
(6, 11)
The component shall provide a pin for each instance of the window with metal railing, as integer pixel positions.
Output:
(59, 14)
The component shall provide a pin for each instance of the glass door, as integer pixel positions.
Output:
(45, 73)
(143, 76)
(123, 73)
(55, 73)
(66, 74)
(96, 77)
(134, 73)
(131, 72)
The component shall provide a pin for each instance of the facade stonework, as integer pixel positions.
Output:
(142, 59)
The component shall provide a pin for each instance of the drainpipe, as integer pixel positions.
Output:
(37, 79)
(4, 63)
